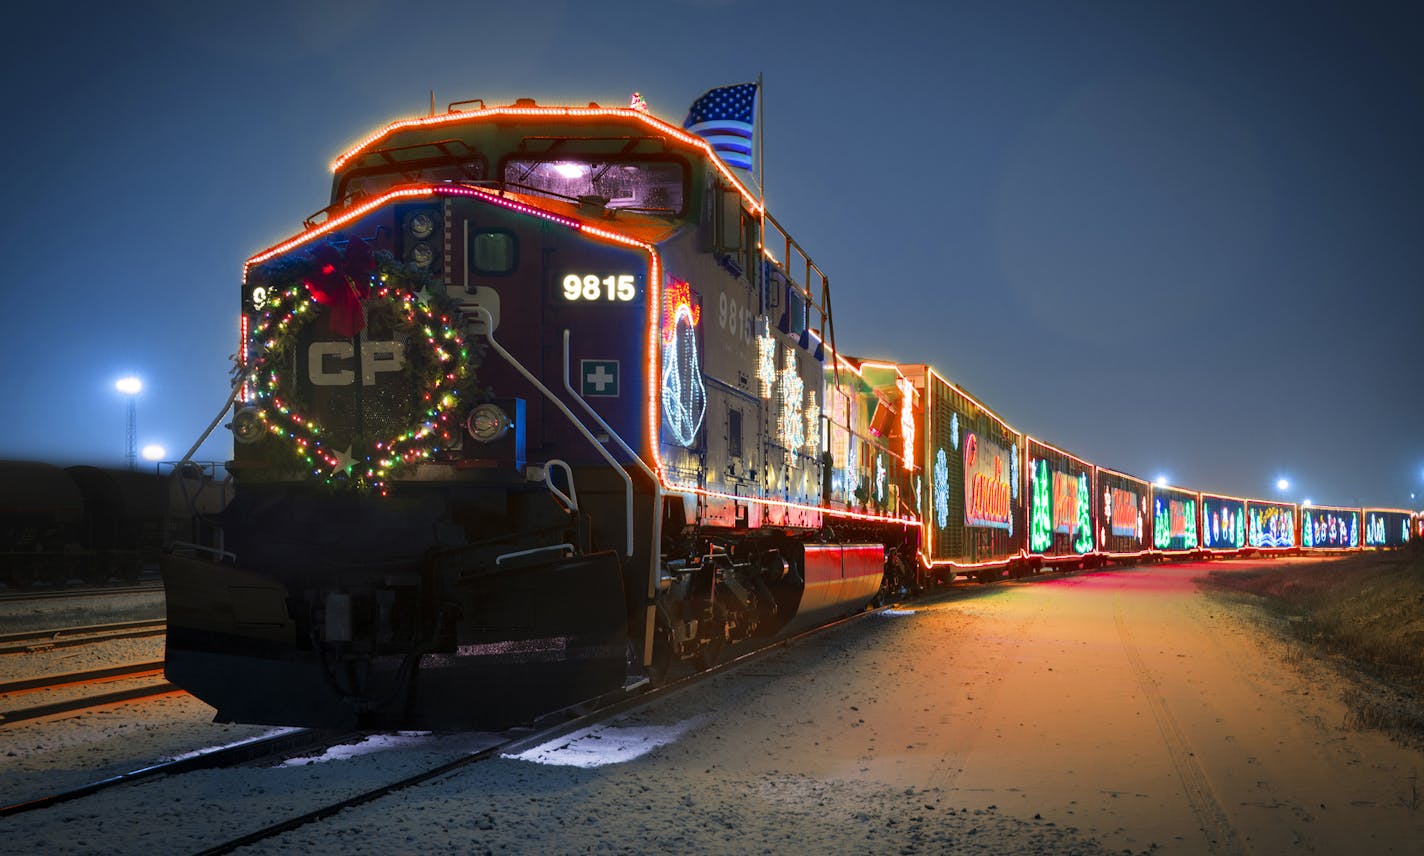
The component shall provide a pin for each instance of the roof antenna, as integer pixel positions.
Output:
(432, 102)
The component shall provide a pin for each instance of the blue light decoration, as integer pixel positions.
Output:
(1223, 523)
(1329, 528)
(684, 395)
(954, 430)
(941, 488)
(1381, 531)
(1272, 526)
(1014, 474)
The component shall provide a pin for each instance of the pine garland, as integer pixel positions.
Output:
(402, 298)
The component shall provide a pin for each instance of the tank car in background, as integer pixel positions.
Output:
(96, 524)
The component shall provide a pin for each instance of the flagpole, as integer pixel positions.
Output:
(760, 132)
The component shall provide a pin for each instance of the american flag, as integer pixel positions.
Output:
(725, 117)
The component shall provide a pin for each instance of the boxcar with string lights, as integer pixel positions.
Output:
(545, 402)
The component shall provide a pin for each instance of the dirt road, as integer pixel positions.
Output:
(1104, 712)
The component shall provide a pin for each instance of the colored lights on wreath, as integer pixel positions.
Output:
(684, 396)
(428, 349)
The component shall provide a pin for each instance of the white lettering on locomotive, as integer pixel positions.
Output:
(375, 357)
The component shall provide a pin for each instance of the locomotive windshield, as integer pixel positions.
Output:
(651, 186)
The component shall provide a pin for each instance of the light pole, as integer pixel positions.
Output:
(131, 387)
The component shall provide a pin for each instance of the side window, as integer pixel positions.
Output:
(493, 252)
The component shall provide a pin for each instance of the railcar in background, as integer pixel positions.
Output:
(970, 498)
(1330, 528)
(1386, 528)
(1124, 518)
(1223, 524)
(1059, 489)
(1271, 526)
(1175, 522)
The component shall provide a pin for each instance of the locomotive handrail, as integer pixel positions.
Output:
(563, 408)
(656, 536)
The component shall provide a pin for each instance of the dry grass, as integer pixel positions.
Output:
(1367, 611)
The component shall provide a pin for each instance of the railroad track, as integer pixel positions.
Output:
(43, 640)
(9, 595)
(551, 727)
(145, 672)
(288, 741)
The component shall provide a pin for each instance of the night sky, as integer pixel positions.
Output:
(1183, 239)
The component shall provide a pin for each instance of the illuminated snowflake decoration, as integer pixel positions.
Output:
(941, 489)
(880, 478)
(1014, 471)
(954, 430)
(766, 360)
(812, 416)
(684, 395)
(852, 472)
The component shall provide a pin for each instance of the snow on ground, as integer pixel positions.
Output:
(1097, 713)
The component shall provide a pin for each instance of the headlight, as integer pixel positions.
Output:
(421, 225)
(421, 255)
(247, 425)
(487, 423)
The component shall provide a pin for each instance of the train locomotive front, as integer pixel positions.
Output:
(476, 478)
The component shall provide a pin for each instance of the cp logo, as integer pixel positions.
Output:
(326, 362)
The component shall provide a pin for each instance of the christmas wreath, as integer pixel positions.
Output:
(356, 290)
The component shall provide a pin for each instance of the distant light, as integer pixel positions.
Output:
(1161, 481)
(153, 452)
(570, 170)
(129, 385)
(1283, 484)
(1306, 503)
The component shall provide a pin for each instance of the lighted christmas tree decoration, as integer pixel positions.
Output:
(941, 488)
(684, 396)
(1084, 542)
(1040, 528)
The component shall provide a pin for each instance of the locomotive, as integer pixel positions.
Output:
(545, 401)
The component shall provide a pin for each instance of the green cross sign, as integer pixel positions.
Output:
(600, 378)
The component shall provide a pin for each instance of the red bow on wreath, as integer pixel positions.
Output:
(341, 284)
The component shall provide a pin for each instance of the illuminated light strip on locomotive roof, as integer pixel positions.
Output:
(653, 122)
